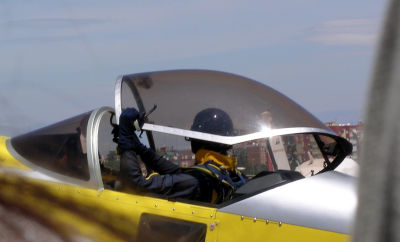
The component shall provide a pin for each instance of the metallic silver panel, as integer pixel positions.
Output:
(230, 140)
(326, 201)
(117, 93)
(93, 145)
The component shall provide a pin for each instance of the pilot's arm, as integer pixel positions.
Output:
(171, 185)
(168, 181)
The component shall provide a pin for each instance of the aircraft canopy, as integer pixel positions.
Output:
(180, 95)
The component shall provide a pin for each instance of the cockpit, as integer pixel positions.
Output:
(275, 141)
(271, 131)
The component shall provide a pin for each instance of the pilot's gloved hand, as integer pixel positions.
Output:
(127, 136)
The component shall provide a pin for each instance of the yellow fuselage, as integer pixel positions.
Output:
(108, 215)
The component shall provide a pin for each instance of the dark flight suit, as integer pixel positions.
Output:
(167, 180)
(172, 181)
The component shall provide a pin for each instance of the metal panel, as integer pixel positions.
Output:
(93, 145)
(117, 98)
(230, 140)
(326, 201)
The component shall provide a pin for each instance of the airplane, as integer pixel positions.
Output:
(66, 175)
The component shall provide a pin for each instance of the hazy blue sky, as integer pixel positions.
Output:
(61, 58)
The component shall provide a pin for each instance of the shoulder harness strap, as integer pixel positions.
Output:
(218, 172)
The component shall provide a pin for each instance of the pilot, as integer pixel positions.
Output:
(213, 178)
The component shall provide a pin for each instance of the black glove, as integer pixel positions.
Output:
(127, 136)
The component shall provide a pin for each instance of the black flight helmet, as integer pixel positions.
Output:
(212, 121)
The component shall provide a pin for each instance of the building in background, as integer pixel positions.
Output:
(273, 153)
(352, 132)
(183, 158)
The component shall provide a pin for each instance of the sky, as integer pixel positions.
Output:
(61, 58)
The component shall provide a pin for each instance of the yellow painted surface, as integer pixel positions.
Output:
(135, 206)
(101, 215)
(6, 159)
(228, 227)
(233, 228)
(69, 216)
(108, 215)
(114, 216)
